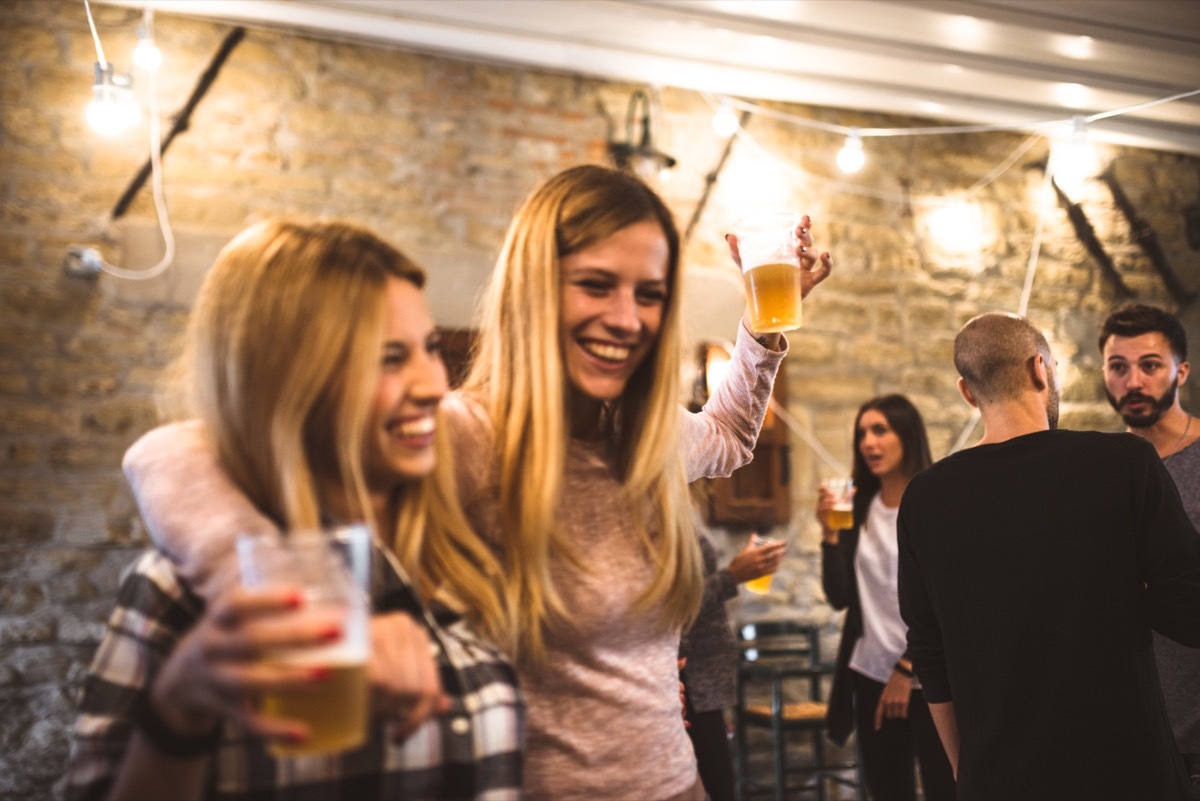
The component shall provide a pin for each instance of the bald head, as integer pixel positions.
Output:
(992, 353)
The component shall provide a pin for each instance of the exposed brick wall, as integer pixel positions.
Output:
(435, 153)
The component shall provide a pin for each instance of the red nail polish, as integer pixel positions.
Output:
(333, 632)
(319, 674)
(295, 600)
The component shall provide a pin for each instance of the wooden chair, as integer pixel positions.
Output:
(780, 690)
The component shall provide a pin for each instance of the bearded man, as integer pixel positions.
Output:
(1145, 364)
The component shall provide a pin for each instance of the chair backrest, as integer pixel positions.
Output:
(780, 640)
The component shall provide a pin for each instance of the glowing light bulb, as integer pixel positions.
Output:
(724, 122)
(146, 55)
(113, 109)
(1073, 160)
(851, 158)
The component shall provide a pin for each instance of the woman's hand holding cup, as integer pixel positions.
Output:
(219, 667)
(332, 569)
(835, 511)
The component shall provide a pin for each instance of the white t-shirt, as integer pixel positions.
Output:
(876, 567)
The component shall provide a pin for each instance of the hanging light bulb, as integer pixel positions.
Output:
(724, 121)
(146, 55)
(1073, 160)
(113, 109)
(850, 158)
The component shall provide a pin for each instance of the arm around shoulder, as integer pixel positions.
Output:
(192, 509)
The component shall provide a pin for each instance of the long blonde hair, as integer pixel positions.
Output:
(518, 373)
(282, 357)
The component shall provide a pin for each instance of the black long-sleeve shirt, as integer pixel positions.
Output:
(1031, 574)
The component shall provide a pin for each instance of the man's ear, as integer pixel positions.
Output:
(966, 393)
(1182, 374)
(1038, 372)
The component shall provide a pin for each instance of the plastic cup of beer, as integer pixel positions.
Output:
(333, 570)
(767, 245)
(762, 584)
(841, 516)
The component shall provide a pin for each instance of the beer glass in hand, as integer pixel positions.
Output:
(841, 515)
(332, 570)
(771, 270)
(762, 584)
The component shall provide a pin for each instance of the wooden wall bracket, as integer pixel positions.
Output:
(1146, 237)
(1087, 235)
(183, 118)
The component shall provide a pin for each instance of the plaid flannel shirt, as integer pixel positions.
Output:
(471, 752)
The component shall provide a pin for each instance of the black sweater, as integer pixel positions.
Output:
(1031, 573)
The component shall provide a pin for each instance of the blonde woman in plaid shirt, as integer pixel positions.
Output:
(315, 371)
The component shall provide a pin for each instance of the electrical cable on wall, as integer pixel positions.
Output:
(156, 186)
(84, 260)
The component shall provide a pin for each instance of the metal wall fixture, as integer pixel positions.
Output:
(638, 153)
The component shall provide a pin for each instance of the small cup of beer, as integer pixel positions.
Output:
(333, 569)
(841, 516)
(767, 245)
(762, 584)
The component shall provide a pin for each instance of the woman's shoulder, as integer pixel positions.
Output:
(467, 414)
(468, 427)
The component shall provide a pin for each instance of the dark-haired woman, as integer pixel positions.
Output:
(874, 690)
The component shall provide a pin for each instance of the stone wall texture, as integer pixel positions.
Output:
(435, 154)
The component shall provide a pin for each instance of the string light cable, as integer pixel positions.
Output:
(95, 36)
(846, 130)
(156, 180)
(833, 184)
(855, 136)
(828, 458)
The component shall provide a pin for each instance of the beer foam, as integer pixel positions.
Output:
(341, 653)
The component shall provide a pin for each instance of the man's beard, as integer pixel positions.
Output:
(1158, 406)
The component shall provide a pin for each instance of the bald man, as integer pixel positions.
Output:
(1032, 569)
